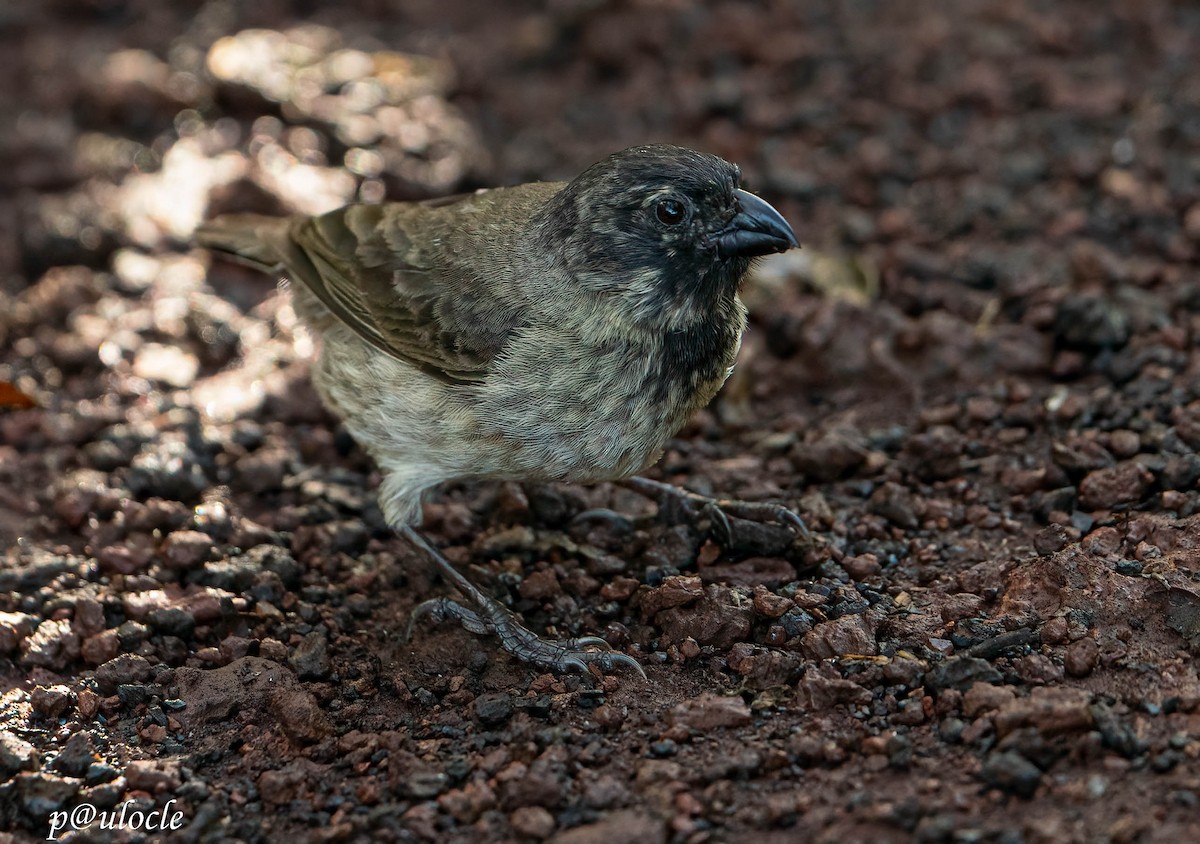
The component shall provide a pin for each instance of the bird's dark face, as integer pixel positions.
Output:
(665, 228)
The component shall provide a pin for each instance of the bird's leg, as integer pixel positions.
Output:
(487, 615)
(719, 509)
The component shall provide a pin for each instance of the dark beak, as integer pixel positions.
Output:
(756, 229)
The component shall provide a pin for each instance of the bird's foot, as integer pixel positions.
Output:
(720, 509)
(558, 655)
(487, 615)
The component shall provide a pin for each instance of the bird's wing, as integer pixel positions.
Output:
(430, 285)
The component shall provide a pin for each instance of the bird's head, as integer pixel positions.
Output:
(665, 228)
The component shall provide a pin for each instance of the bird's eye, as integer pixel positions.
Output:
(670, 212)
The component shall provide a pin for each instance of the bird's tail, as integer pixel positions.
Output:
(251, 239)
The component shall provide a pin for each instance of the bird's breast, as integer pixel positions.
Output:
(563, 405)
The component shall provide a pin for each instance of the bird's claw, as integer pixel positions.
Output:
(759, 511)
(719, 510)
(560, 656)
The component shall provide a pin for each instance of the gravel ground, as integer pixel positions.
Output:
(979, 382)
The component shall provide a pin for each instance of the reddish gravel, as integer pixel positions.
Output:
(979, 382)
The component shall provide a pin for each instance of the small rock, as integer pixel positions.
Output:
(960, 605)
(16, 755)
(849, 635)
(132, 633)
(264, 470)
(100, 648)
(466, 804)
(985, 697)
(1081, 657)
(170, 365)
(235, 647)
(1011, 772)
(155, 776)
(1124, 443)
(1038, 669)
(822, 688)
(172, 621)
(624, 826)
(14, 627)
(1050, 709)
(1081, 455)
(674, 592)
(751, 572)
(862, 566)
(99, 772)
(719, 619)
(123, 670)
(424, 784)
(532, 822)
(764, 668)
(187, 549)
(1053, 538)
(770, 605)
(134, 694)
(539, 784)
(50, 701)
(540, 586)
(169, 469)
(1104, 489)
(89, 617)
(493, 710)
(961, 672)
(88, 704)
(895, 503)
(282, 786)
(310, 660)
(709, 712)
(300, 715)
(76, 757)
(910, 713)
(609, 717)
(42, 793)
(52, 645)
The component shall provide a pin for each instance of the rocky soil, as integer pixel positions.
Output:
(979, 383)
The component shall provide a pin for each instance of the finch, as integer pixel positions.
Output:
(551, 331)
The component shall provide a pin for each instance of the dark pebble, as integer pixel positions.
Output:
(172, 621)
(310, 660)
(76, 757)
(98, 773)
(124, 669)
(663, 749)
(1116, 734)
(590, 698)
(41, 793)
(1165, 761)
(131, 694)
(1011, 772)
(167, 469)
(131, 634)
(961, 673)
(1129, 568)
(493, 710)
(539, 707)
(1053, 538)
(951, 729)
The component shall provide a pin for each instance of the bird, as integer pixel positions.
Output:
(548, 331)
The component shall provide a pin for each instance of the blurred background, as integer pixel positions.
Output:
(967, 132)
